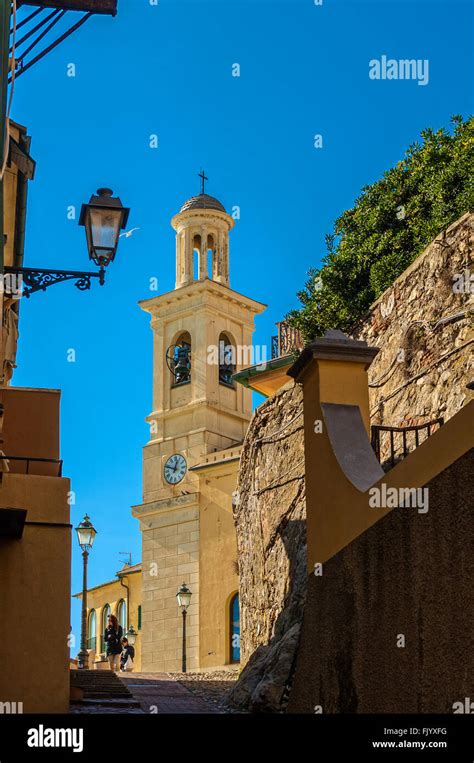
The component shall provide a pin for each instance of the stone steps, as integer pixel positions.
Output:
(98, 685)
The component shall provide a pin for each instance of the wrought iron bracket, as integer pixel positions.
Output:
(38, 279)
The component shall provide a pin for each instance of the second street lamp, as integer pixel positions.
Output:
(184, 599)
(86, 533)
(131, 635)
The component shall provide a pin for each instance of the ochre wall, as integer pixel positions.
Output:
(217, 563)
(170, 542)
(31, 426)
(35, 596)
(336, 511)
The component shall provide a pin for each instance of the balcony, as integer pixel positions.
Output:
(286, 341)
(269, 376)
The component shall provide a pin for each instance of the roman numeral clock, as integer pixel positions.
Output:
(175, 469)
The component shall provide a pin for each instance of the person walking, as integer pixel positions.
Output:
(113, 638)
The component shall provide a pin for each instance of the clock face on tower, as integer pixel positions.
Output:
(175, 468)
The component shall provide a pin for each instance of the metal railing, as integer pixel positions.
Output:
(286, 341)
(29, 460)
(399, 443)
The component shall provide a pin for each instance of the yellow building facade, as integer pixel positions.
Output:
(121, 597)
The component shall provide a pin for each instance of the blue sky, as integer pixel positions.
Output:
(167, 70)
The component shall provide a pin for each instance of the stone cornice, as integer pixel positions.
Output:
(205, 289)
(163, 505)
(334, 345)
(198, 217)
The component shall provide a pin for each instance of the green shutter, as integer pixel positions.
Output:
(139, 616)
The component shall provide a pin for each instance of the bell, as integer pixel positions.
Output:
(182, 364)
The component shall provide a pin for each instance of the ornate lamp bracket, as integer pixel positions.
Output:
(38, 279)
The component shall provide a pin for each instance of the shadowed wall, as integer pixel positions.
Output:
(408, 574)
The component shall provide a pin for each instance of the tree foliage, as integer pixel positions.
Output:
(391, 223)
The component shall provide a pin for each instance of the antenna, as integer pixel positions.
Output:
(126, 553)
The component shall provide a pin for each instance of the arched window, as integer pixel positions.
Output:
(178, 358)
(227, 360)
(210, 255)
(91, 630)
(122, 615)
(106, 611)
(196, 255)
(234, 612)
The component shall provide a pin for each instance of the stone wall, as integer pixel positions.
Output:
(269, 512)
(422, 328)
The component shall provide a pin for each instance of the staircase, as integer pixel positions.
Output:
(100, 688)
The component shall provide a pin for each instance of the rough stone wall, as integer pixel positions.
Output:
(423, 327)
(411, 383)
(408, 575)
(269, 512)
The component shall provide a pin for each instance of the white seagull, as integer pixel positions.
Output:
(128, 233)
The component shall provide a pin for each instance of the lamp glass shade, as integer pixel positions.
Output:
(184, 597)
(103, 230)
(131, 635)
(103, 217)
(86, 534)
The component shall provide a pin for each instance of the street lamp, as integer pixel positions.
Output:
(184, 599)
(103, 217)
(85, 535)
(131, 635)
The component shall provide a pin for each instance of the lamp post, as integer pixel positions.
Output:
(184, 599)
(85, 535)
(103, 218)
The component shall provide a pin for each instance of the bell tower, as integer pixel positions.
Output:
(202, 334)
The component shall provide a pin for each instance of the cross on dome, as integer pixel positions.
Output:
(203, 179)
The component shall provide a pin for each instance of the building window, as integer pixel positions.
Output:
(122, 615)
(139, 617)
(91, 630)
(178, 358)
(235, 629)
(106, 611)
(227, 364)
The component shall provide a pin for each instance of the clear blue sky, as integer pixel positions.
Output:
(166, 69)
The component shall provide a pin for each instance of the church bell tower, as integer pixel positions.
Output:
(202, 335)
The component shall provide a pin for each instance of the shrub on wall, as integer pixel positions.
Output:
(391, 223)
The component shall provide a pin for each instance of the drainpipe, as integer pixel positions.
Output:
(20, 216)
(128, 599)
(21, 197)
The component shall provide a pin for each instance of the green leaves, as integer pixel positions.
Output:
(391, 223)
